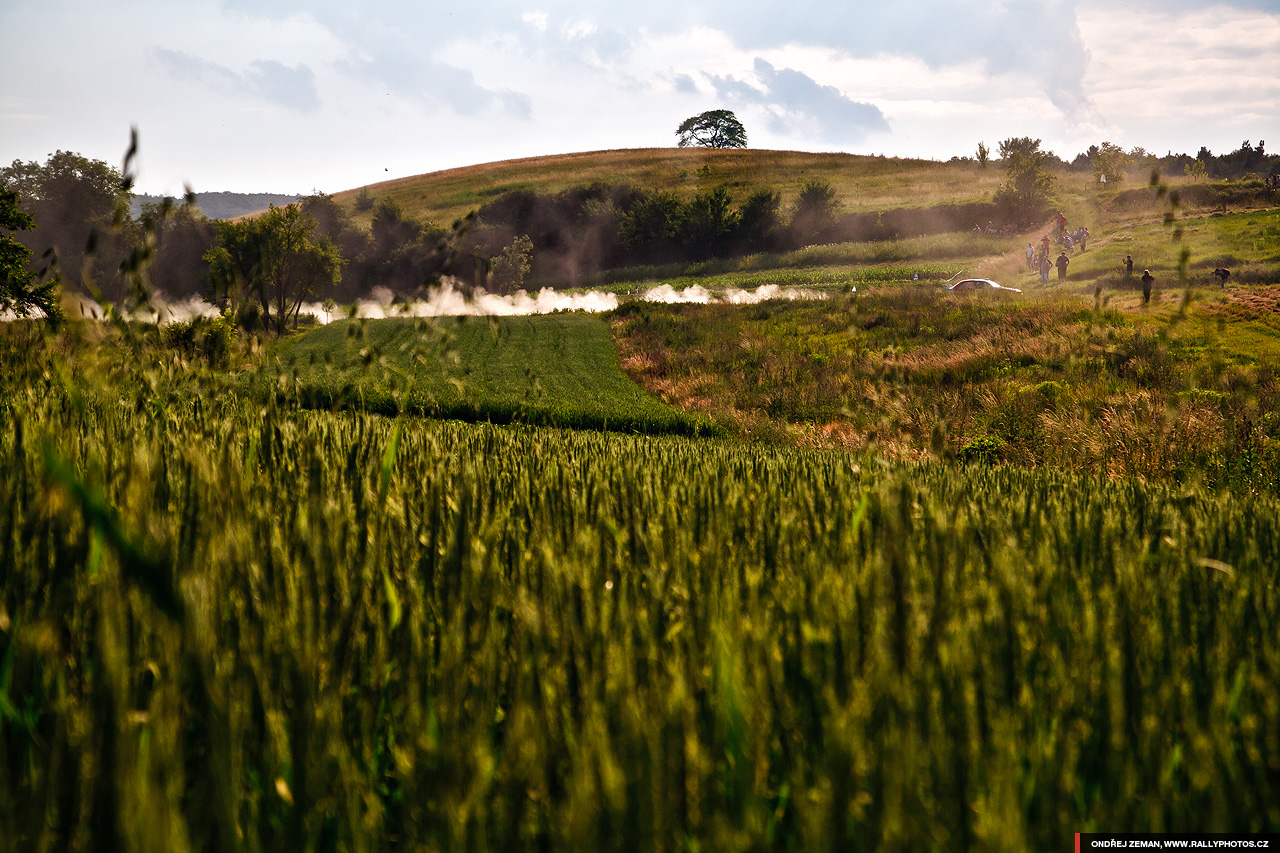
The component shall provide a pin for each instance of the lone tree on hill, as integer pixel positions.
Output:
(712, 129)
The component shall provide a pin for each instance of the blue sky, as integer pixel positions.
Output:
(292, 96)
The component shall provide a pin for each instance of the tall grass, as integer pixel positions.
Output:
(914, 371)
(233, 627)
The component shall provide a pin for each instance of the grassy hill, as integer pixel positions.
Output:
(862, 182)
(560, 370)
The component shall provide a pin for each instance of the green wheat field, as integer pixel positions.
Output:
(240, 626)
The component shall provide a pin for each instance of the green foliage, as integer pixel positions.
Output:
(212, 339)
(19, 292)
(712, 129)
(1026, 192)
(510, 268)
(276, 260)
(709, 223)
(983, 450)
(760, 221)
(984, 154)
(815, 211)
(80, 209)
(1110, 161)
(653, 222)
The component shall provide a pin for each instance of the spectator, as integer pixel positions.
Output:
(1222, 274)
(1062, 263)
(1128, 266)
(1147, 278)
(1031, 258)
(1045, 266)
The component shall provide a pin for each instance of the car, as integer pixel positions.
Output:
(975, 284)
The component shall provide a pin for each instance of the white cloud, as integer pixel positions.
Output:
(797, 105)
(290, 95)
(292, 88)
(1205, 76)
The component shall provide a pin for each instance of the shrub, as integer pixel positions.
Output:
(985, 449)
(202, 337)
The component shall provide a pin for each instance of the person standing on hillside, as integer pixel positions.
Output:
(1031, 258)
(1147, 278)
(1045, 266)
(1128, 266)
(1084, 237)
(1062, 263)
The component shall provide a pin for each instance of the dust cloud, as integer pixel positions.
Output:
(448, 299)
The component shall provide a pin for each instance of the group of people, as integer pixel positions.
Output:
(1042, 263)
(1041, 260)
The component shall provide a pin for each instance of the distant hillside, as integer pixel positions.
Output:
(222, 205)
(863, 183)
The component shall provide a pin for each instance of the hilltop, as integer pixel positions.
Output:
(862, 182)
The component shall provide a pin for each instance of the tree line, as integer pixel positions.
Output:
(68, 221)
(1113, 161)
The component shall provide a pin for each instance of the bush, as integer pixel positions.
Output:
(202, 337)
(984, 449)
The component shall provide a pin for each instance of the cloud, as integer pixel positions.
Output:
(1040, 41)
(796, 104)
(272, 81)
(292, 87)
(437, 83)
(685, 85)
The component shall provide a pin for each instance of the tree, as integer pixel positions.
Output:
(815, 213)
(1019, 147)
(510, 268)
(708, 223)
(19, 292)
(650, 226)
(276, 259)
(74, 201)
(1195, 170)
(984, 154)
(182, 236)
(759, 221)
(712, 129)
(1028, 184)
(1110, 161)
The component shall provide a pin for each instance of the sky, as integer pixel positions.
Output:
(287, 96)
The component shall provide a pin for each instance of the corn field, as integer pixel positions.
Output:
(226, 626)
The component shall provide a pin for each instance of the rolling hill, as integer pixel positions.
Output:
(863, 183)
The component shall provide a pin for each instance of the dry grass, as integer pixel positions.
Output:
(861, 182)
